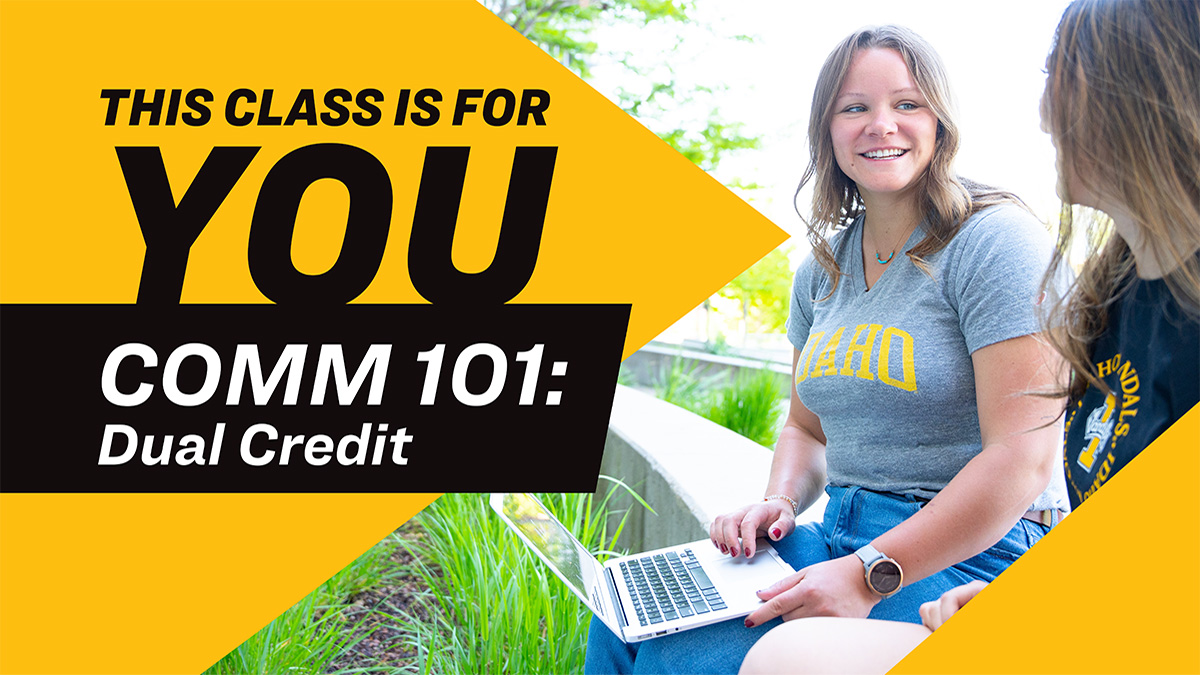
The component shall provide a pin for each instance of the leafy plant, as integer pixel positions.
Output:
(719, 346)
(751, 406)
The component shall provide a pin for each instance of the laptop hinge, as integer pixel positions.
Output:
(612, 589)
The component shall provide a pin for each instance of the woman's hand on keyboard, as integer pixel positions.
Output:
(734, 532)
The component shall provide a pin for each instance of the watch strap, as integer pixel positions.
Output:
(868, 554)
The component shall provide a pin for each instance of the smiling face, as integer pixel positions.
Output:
(883, 130)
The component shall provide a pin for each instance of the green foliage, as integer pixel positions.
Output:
(764, 291)
(310, 635)
(496, 607)
(719, 346)
(705, 139)
(562, 27)
(751, 406)
(707, 146)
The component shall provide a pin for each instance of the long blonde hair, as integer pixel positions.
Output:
(946, 200)
(1123, 104)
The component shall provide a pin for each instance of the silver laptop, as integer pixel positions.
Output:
(650, 594)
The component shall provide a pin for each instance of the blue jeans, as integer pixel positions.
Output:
(853, 518)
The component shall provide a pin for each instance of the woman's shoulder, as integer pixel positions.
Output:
(1005, 216)
(1006, 230)
(1004, 222)
(808, 277)
(1003, 250)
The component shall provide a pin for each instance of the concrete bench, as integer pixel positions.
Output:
(688, 469)
(645, 365)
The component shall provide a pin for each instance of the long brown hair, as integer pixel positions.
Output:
(946, 200)
(1122, 102)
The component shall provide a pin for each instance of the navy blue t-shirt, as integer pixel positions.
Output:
(1150, 357)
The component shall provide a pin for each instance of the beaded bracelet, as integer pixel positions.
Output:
(795, 506)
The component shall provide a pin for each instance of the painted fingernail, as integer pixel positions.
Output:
(749, 623)
(714, 543)
(776, 533)
(747, 551)
(733, 552)
(723, 549)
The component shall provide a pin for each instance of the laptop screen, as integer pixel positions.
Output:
(541, 530)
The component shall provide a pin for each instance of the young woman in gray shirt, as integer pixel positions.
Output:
(914, 326)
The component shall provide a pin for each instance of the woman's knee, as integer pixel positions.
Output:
(784, 647)
(833, 645)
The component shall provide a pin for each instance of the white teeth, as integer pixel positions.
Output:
(880, 154)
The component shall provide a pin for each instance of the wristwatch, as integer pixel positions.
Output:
(884, 576)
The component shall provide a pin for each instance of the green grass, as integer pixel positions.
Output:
(489, 605)
(498, 608)
(310, 635)
(751, 406)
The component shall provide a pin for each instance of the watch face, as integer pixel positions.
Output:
(885, 577)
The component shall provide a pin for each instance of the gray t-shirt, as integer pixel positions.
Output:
(889, 371)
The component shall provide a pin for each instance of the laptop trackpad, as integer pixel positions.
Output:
(739, 578)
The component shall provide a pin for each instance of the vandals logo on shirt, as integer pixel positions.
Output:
(1106, 424)
(1099, 429)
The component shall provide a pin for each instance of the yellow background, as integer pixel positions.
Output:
(1115, 588)
(170, 583)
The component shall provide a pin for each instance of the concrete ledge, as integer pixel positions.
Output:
(645, 364)
(688, 469)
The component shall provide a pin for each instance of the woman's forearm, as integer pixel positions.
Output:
(974, 511)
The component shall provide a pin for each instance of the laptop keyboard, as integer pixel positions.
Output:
(669, 586)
